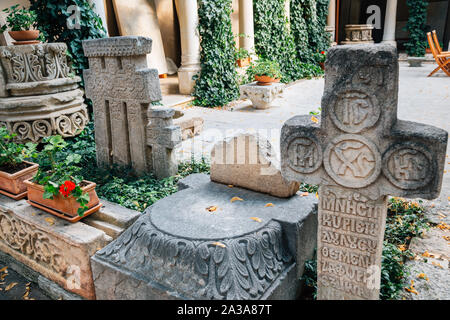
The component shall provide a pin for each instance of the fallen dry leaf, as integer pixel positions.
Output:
(230, 186)
(317, 195)
(402, 247)
(422, 276)
(437, 264)
(4, 269)
(50, 221)
(219, 244)
(211, 208)
(236, 199)
(270, 204)
(256, 219)
(10, 286)
(426, 254)
(314, 119)
(304, 194)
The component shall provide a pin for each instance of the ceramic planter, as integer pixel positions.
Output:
(65, 208)
(265, 80)
(12, 184)
(25, 36)
(243, 62)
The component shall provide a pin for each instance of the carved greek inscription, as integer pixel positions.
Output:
(355, 111)
(352, 161)
(350, 239)
(408, 166)
(305, 155)
(346, 286)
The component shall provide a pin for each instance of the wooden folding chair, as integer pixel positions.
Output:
(436, 43)
(442, 58)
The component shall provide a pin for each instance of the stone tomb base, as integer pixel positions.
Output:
(55, 250)
(198, 244)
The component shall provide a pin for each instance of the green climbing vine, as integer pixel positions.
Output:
(273, 40)
(308, 21)
(217, 83)
(416, 26)
(59, 21)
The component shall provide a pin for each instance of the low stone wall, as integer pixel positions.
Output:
(58, 250)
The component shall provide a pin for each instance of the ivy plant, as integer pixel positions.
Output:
(416, 26)
(217, 84)
(69, 21)
(19, 19)
(12, 153)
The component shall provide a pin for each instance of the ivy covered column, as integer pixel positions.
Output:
(190, 44)
(246, 25)
(99, 8)
(389, 22)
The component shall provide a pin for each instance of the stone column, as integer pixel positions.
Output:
(287, 11)
(190, 44)
(331, 20)
(389, 23)
(246, 25)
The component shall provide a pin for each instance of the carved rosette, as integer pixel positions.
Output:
(31, 242)
(66, 125)
(235, 268)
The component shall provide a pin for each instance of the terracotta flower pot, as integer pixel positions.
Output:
(243, 62)
(24, 35)
(12, 184)
(265, 80)
(60, 206)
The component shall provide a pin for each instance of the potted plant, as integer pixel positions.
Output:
(242, 57)
(14, 170)
(416, 25)
(320, 57)
(21, 22)
(57, 188)
(266, 72)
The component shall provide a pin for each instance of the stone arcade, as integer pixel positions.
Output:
(359, 154)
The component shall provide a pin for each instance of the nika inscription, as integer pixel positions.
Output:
(367, 155)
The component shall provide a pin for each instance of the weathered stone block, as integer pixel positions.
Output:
(55, 249)
(249, 161)
(121, 87)
(261, 96)
(181, 248)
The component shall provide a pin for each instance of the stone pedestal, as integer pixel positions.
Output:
(261, 96)
(183, 248)
(39, 93)
(358, 34)
(190, 126)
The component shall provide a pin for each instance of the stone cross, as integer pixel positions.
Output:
(121, 87)
(359, 153)
(163, 137)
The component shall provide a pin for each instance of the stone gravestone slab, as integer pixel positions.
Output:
(121, 88)
(359, 154)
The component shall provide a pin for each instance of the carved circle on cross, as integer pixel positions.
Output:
(408, 165)
(304, 152)
(352, 161)
(354, 111)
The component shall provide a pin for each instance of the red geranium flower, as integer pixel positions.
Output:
(66, 188)
(323, 52)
